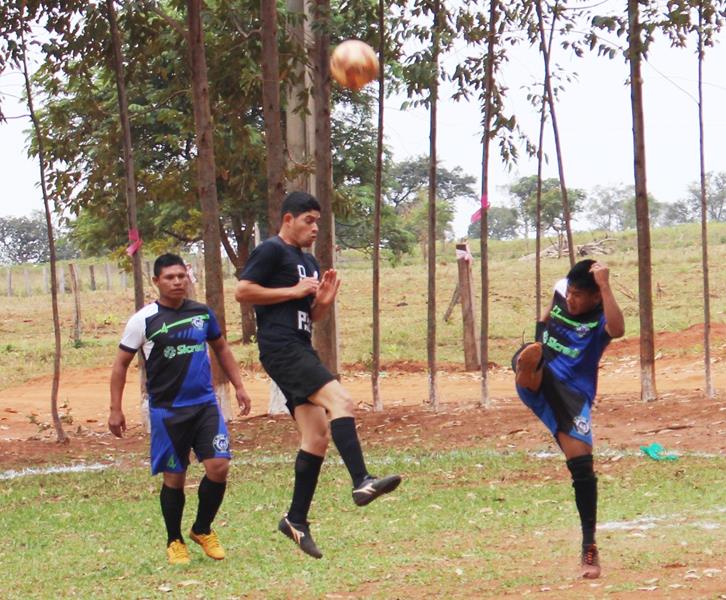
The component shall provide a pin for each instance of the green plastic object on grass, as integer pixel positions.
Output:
(657, 452)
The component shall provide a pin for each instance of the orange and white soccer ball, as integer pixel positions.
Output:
(353, 64)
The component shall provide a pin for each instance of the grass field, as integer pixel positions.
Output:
(26, 346)
(465, 524)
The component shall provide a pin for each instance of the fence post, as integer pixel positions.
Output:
(76, 304)
(10, 282)
(108, 277)
(61, 280)
(466, 290)
(92, 277)
(123, 279)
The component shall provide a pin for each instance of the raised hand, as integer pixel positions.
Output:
(329, 285)
(601, 274)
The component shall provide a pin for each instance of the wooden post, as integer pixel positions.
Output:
(62, 281)
(46, 281)
(76, 304)
(26, 279)
(10, 282)
(108, 277)
(92, 277)
(147, 266)
(466, 291)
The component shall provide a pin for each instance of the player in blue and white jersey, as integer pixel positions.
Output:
(556, 377)
(173, 333)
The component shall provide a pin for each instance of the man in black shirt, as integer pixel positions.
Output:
(285, 285)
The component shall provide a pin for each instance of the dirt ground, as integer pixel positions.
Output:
(681, 419)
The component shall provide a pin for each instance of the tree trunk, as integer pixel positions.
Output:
(271, 111)
(60, 433)
(130, 178)
(433, 398)
(207, 191)
(296, 129)
(555, 129)
(485, 401)
(376, 350)
(710, 392)
(540, 160)
(645, 287)
(325, 331)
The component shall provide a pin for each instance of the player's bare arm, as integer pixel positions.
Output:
(254, 293)
(116, 418)
(327, 291)
(231, 369)
(615, 321)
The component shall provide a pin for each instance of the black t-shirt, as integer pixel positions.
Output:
(276, 264)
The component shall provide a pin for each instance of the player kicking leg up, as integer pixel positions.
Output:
(556, 377)
(289, 295)
(173, 334)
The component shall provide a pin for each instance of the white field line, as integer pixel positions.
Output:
(286, 459)
(676, 520)
(13, 474)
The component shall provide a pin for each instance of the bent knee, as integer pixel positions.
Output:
(217, 469)
(316, 443)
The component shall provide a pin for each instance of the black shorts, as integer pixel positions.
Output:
(297, 371)
(176, 431)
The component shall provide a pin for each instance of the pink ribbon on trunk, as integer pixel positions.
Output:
(136, 242)
(484, 206)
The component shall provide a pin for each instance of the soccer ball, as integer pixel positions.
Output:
(353, 64)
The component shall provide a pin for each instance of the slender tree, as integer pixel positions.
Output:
(710, 392)
(376, 351)
(645, 287)
(206, 187)
(431, 238)
(325, 331)
(61, 436)
(134, 249)
(271, 109)
(488, 105)
(546, 48)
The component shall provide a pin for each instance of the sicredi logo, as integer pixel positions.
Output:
(170, 351)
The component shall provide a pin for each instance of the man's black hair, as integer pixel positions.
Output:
(167, 260)
(297, 203)
(581, 278)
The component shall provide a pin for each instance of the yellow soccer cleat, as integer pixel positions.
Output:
(209, 543)
(178, 553)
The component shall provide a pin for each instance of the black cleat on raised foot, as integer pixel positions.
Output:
(300, 534)
(372, 487)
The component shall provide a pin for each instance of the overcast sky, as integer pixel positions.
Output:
(593, 114)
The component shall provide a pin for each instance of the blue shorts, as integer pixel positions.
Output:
(176, 431)
(560, 407)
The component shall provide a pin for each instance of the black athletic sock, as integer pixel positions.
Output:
(172, 509)
(585, 484)
(346, 441)
(307, 470)
(211, 494)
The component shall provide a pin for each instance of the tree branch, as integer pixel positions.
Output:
(176, 25)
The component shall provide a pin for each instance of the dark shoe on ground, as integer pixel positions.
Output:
(590, 562)
(300, 534)
(529, 367)
(372, 487)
